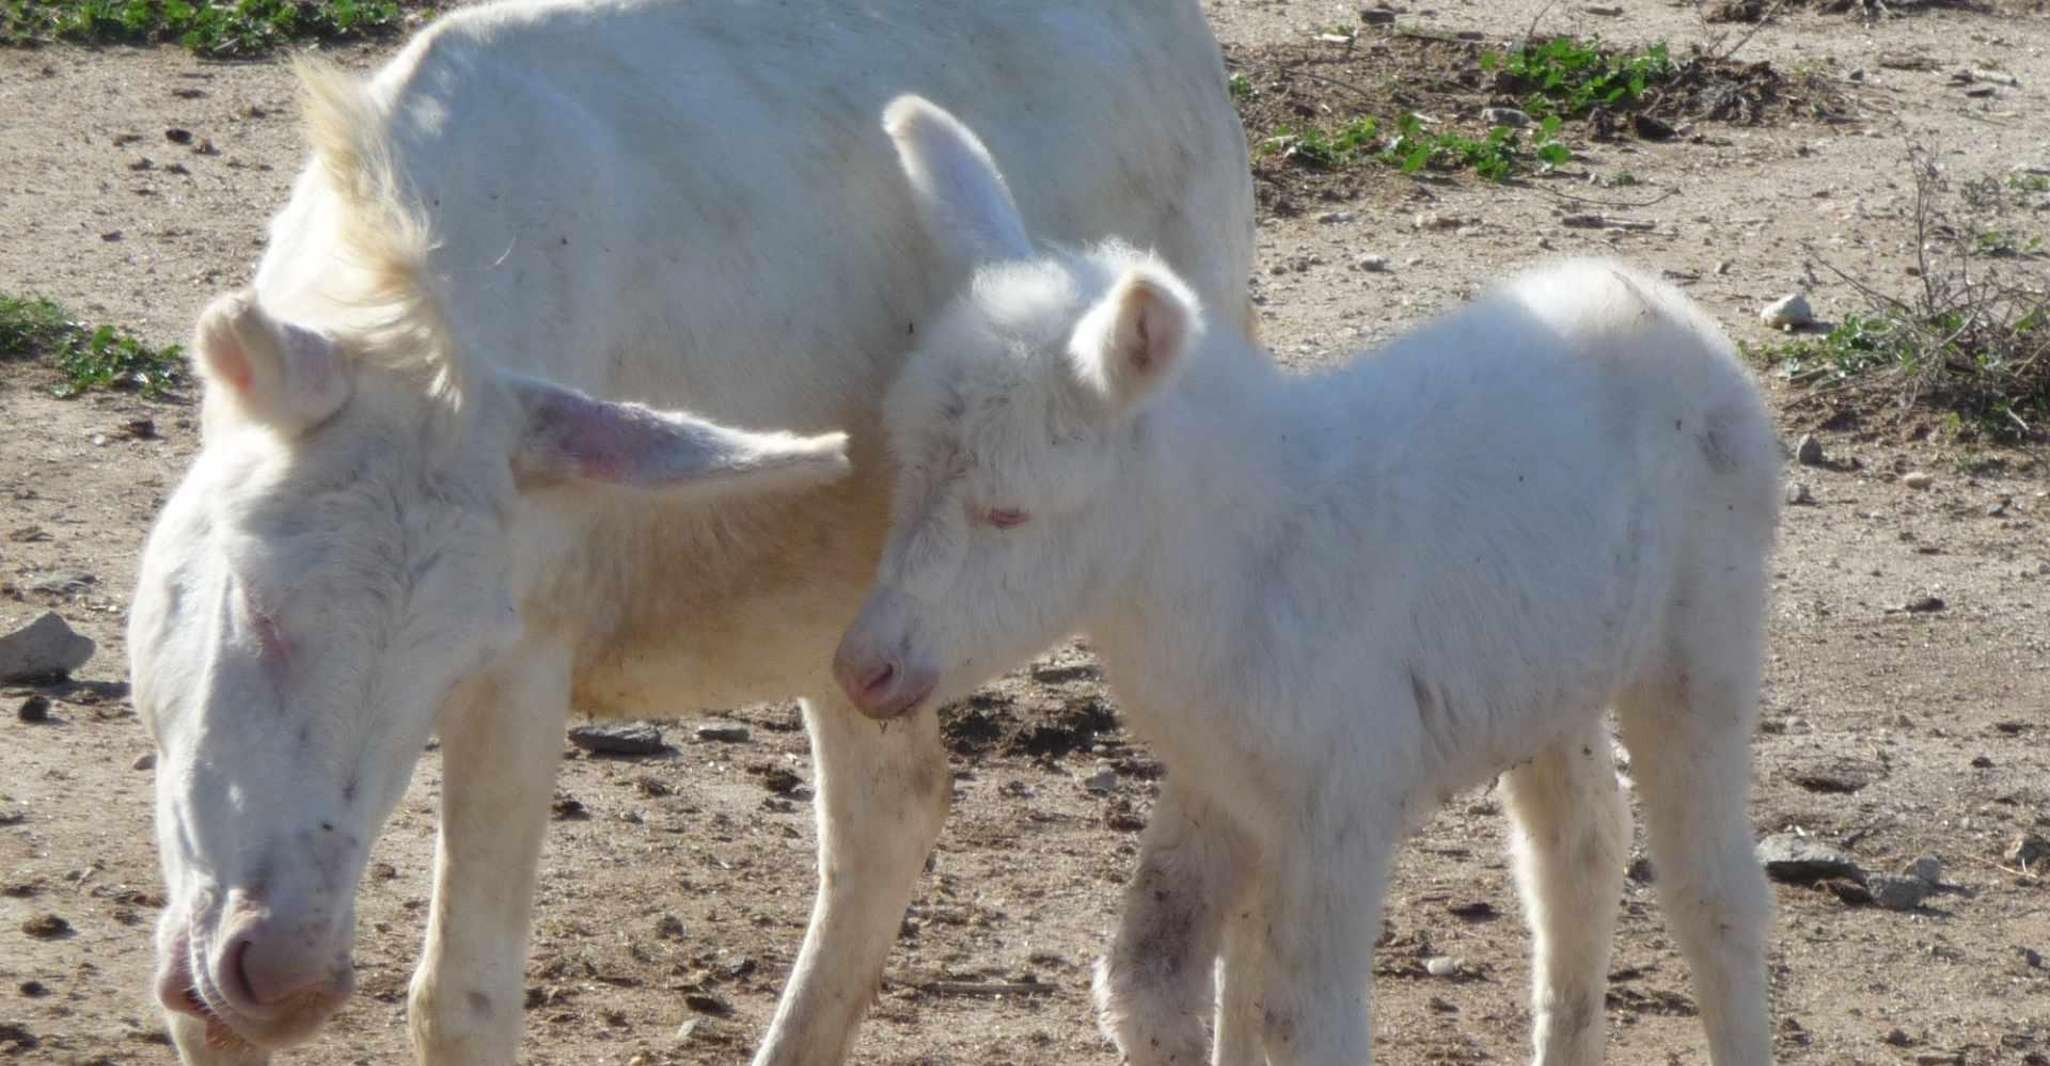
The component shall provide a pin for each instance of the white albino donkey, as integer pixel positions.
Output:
(1329, 600)
(410, 514)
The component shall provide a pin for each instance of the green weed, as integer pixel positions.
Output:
(1570, 77)
(103, 357)
(1412, 148)
(231, 28)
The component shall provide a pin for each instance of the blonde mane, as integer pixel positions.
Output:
(383, 233)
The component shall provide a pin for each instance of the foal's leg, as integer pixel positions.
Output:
(1153, 991)
(1242, 982)
(501, 741)
(883, 790)
(1572, 839)
(1688, 728)
(1323, 910)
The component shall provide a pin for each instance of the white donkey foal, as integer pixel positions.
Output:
(1329, 600)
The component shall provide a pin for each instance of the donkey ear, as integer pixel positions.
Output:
(282, 375)
(961, 195)
(1136, 338)
(568, 436)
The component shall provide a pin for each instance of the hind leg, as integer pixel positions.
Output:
(1688, 729)
(1572, 839)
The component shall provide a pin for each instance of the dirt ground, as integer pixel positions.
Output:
(1894, 733)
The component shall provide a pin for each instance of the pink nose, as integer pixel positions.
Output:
(264, 971)
(881, 686)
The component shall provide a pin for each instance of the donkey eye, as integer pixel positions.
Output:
(1005, 517)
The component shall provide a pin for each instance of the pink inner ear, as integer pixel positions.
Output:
(599, 441)
(229, 362)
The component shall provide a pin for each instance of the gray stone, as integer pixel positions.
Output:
(1505, 116)
(62, 582)
(637, 738)
(1443, 966)
(1105, 780)
(1789, 312)
(45, 648)
(1897, 893)
(1802, 860)
(1928, 867)
(1809, 451)
(1920, 479)
(1372, 264)
(1797, 493)
(723, 733)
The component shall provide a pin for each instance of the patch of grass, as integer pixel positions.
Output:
(1412, 148)
(89, 357)
(231, 28)
(1569, 76)
(1972, 344)
(1241, 87)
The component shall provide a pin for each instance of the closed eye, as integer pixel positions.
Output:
(1005, 517)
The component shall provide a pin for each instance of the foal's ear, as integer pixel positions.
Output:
(960, 192)
(282, 375)
(1136, 338)
(566, 436)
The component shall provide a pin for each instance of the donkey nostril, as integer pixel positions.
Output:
(238, 970)
(882, 676)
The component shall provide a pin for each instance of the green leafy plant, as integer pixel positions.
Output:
(231, 28)
(102, 357)
(1570, 77)
(1412, 148)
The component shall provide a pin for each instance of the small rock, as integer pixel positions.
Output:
(707, 1003)
(1800, 860)
(34, 710)
(2031, 958)
(2027, 851)
(1372, 264)
(1797, 493)
(1651, 128)
(567, 808)
(723, 733)
(1433, 220)
(1897, 893)
(62, 582)
(687, 1030)
(1898, 1037)
(1788, 312)
(1919, 479)
(1377, 16)
(45, 648)
(1982, 762)
(1928, 867)
(36, 989)
(669, 927)
(781, 780)
(638, 738)
(1924, 605)
(140, 428)
(146, 761)
(12, 814)
(46, 927)
(1604, 10)
(1505, 116)
(1105, 780)
(383, 871)
(1330, 217)
(1443, 966)
(1809, 451)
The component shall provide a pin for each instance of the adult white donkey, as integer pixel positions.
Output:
(1328, 601)
(411, 515)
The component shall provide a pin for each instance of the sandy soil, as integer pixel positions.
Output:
(1935, 721)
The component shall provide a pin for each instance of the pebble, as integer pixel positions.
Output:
(1505, 116)
(43, 649)
(1796, 859)
(46, 927)
(1442, 966)
(1928, 867)
(1105, 780)
(62, 582)
(146, 761)
(33, 710)
(707, 1003)
(1919, 479)
(781, 780)
(1897, 893)
(1372, 264)
(1924, 605)
(1797, 493)
(1809, 451)
(2026, 851)
(723, 734)
(669, 927)
(1789, 312)
(1430, 220)
(638, 738)
(1330, 217)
